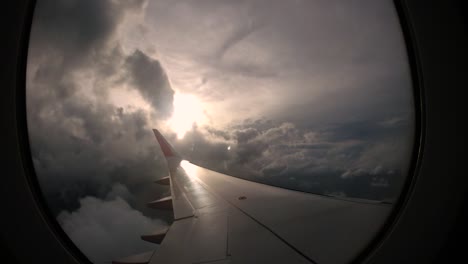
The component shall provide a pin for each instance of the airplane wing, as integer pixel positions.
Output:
(222, 219)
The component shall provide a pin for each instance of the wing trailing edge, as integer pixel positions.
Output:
(157, 237)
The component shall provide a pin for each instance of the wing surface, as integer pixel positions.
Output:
(223, 219)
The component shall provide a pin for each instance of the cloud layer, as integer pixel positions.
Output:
(363, 160)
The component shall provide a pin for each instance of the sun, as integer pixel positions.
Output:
(187, 111)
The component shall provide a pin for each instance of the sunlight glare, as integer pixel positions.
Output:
(189, 168)
(187, 111)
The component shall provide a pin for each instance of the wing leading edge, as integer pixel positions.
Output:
(223, 219)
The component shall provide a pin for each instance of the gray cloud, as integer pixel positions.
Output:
(75, 31)
(83, 148)
(81, 143)
(150, 79)
(301, 61)
(363, 160)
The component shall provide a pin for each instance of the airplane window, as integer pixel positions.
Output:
(314, 96)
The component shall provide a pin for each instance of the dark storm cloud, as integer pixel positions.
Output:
(95, 161)
(91, 171)
(77, 29)
(249, 147)
(364, 160)
(151, 80)
(83, 148)
(81, 144)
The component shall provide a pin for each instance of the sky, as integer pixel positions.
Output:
(314, 96)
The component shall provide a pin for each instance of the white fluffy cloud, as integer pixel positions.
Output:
(106, 230)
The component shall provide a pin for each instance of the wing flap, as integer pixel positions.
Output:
(157, 237)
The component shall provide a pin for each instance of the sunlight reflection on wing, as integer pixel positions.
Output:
(189, 169)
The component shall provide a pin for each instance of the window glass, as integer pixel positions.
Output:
(313, 96)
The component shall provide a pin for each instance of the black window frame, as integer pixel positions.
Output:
(425, 218)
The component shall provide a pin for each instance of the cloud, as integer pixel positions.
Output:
(364, 160)
(304, 95)
(83, 148)
(81, 141)
(106, 230)
(150, 79)
(75, 31)
(95, 159)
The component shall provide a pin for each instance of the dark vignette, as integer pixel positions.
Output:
(419, 132)
(25, 150)
(14, 170)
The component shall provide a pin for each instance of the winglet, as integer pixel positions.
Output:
(166, 148)
(172, 157)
